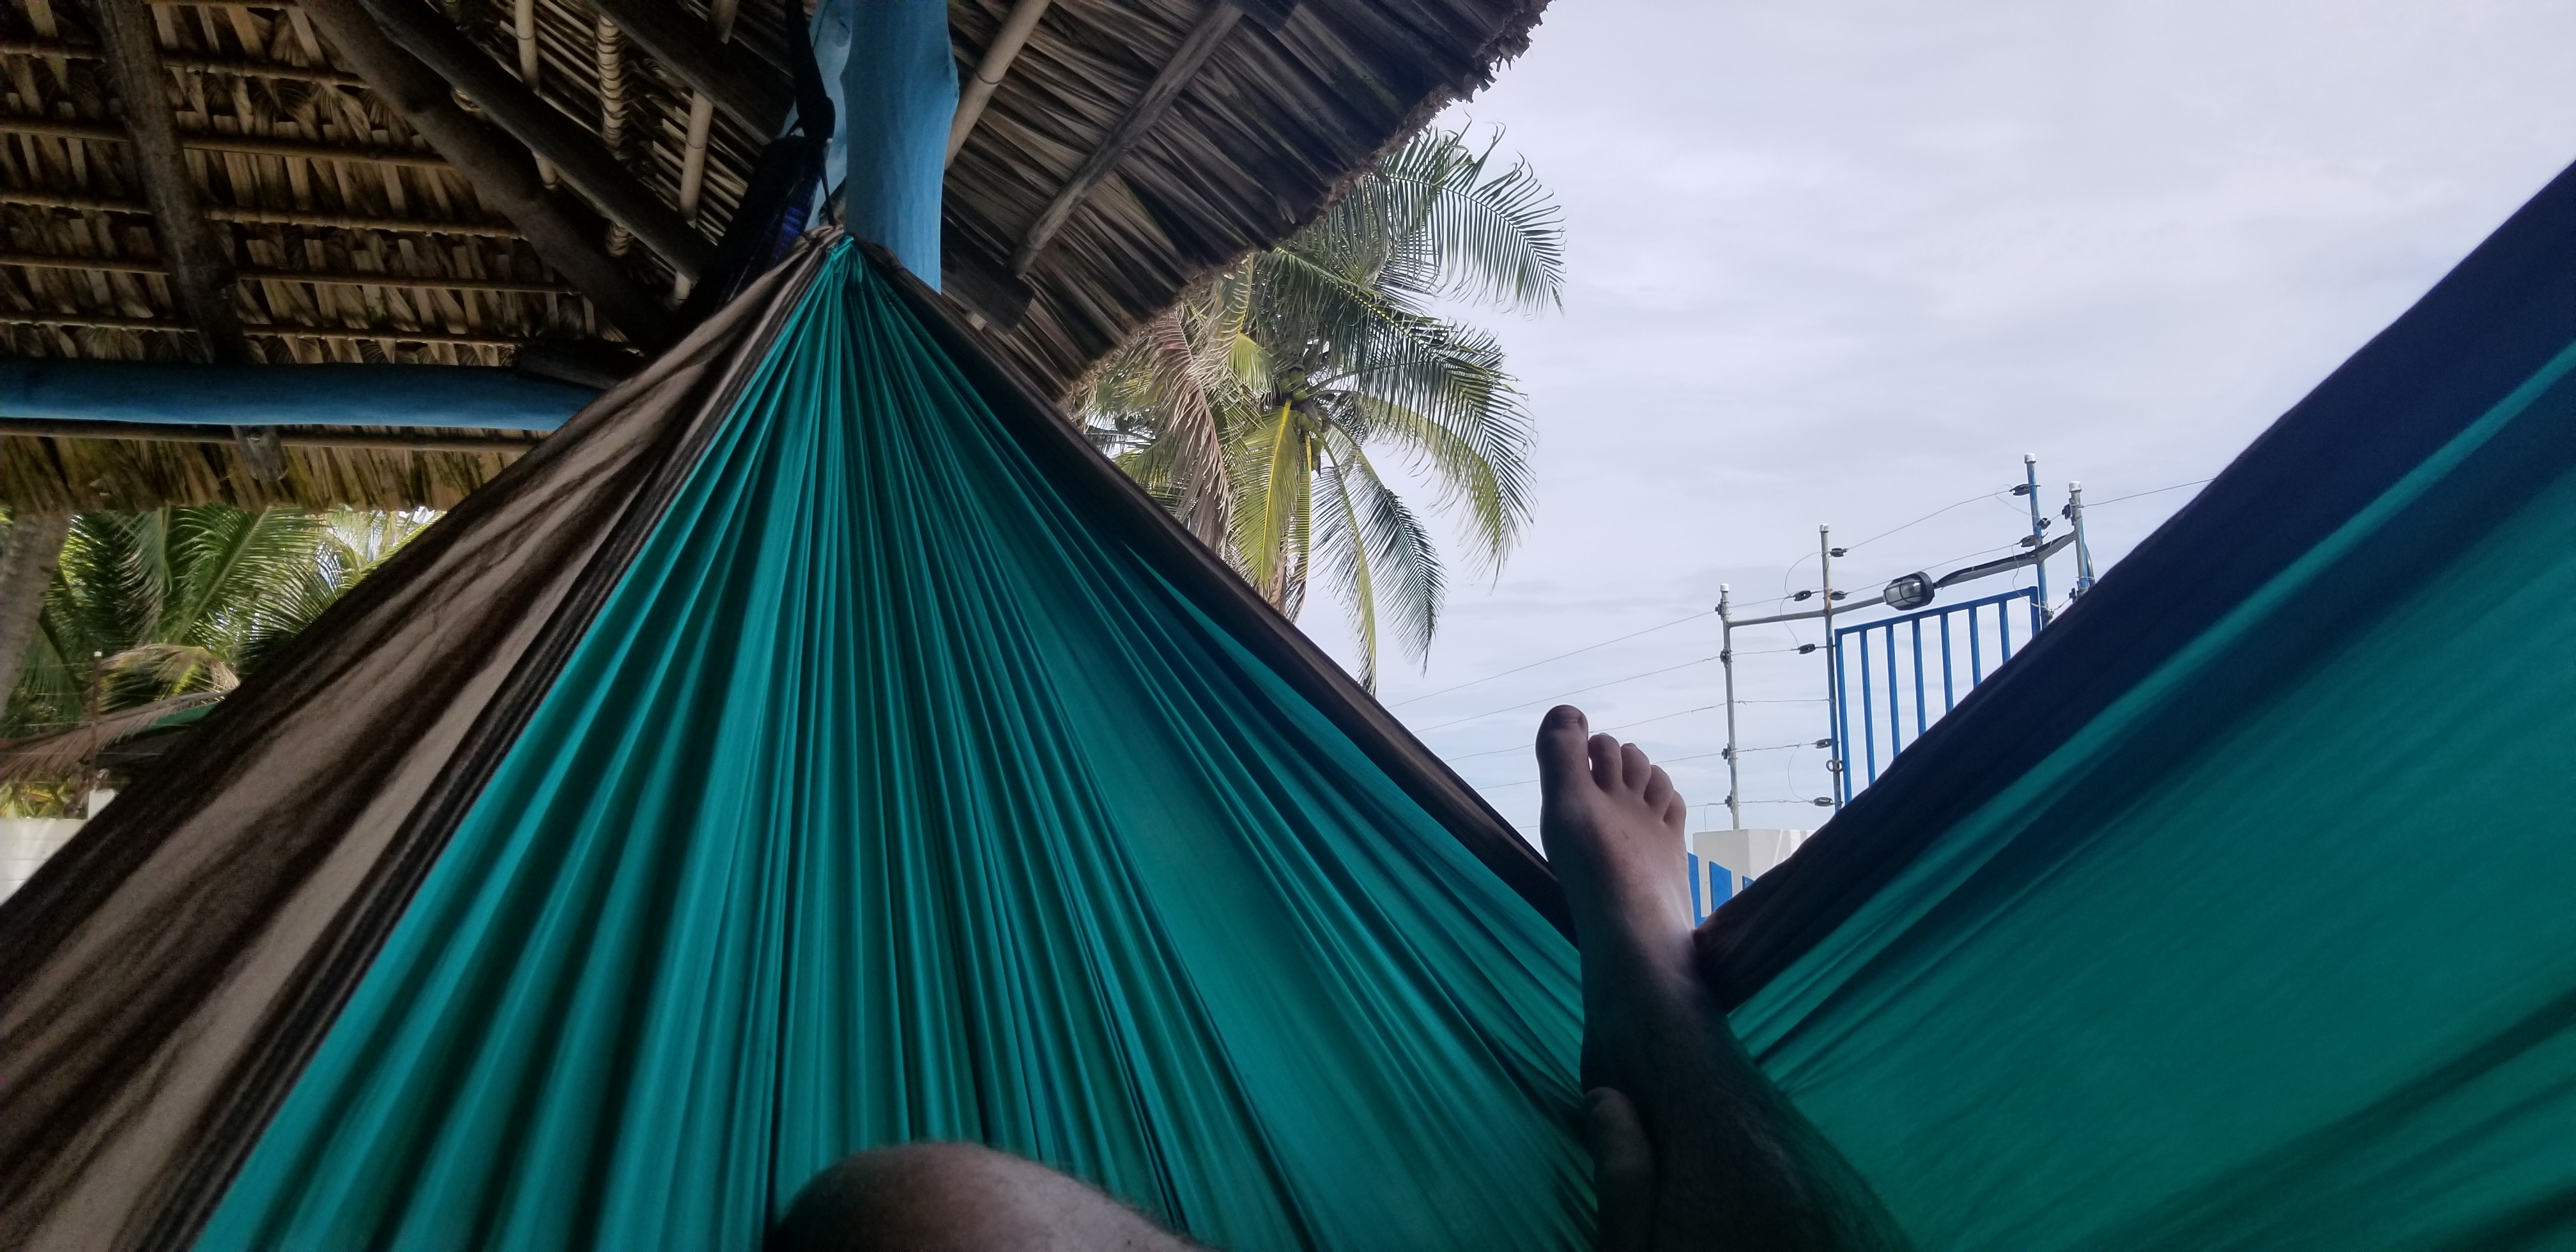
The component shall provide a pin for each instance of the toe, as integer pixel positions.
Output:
(1635, 771)
(1563, 757)
(1659, 788)
(1605, 761)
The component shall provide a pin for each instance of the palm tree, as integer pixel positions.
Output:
(1259, 409)
(154, 614)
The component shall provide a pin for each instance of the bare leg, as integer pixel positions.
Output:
(958, 1197)
(1694, 1150)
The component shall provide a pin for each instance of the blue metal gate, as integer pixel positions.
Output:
(1885, 682)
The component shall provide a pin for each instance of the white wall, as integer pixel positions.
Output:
(25, 842)
(1723, 862)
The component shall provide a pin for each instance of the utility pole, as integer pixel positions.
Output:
(1833, 663)
(1726, 661)
(2038, 530)
(2083, 553)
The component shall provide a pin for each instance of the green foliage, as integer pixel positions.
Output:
(152, 614)
(1252, 408)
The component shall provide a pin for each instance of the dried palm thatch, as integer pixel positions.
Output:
(354, 241)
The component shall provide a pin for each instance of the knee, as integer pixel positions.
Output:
(911, 1196)
(930, 1197)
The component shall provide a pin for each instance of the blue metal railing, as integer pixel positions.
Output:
(1978, 633)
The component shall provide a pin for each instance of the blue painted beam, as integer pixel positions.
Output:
(445, 397)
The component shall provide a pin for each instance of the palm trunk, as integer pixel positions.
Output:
(35, 548)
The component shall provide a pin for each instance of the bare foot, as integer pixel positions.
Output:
(1693, 1148)
(1612, 823)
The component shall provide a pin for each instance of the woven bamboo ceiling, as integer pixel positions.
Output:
(1129, 147)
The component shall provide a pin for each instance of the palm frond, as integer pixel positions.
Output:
(1431, 221)
(1342, 548)
(111, 585)
(1501, 240)
(233, 566)
(1325, 321)
(144, 605)
(1205, 496)
(1381, 555)
(57, 755)
(1491, 496)
(1305, 358)
(1273, 469)
(176, 667)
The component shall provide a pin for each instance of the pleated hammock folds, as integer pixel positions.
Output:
(790, 759)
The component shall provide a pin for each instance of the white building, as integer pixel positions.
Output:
(28, 842)
(1723, 862)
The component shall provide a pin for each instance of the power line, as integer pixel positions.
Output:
(2095, 504)
(1925, 518)
(1674, 761)
(1551, 660)
(1999, 496)
(1561, 695)
(1522, 747)
(1793, 565)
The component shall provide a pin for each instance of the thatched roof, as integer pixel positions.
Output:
(355, 241)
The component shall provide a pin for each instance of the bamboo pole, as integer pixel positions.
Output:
(523, 28)
(1007, 42)
(702, 116)
(746, 90)
(609, 47)
(215, 141)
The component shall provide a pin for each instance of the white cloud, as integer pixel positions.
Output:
(1846, 262)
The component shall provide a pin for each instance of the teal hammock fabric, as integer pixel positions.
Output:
(2279, 952)
(890, 799)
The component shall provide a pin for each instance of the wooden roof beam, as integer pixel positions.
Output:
(747, 90)
(575, 153)
(502, 177)
(201, 274)
(186, 61)
(344, 278)
(259, 145)
(1214, 23)
(268, 217)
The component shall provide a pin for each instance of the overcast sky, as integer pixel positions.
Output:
(1845, 262)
